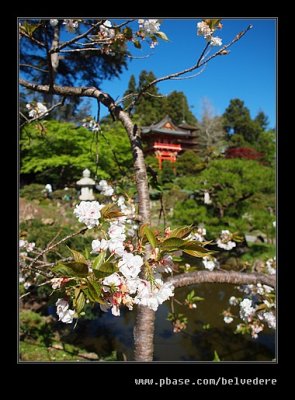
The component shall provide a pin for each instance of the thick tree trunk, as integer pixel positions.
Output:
(144, 334)
(145, 318)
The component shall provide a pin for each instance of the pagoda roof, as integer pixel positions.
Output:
(185, 125)
(166, 126)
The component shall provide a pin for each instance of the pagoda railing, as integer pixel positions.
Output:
(167, 146)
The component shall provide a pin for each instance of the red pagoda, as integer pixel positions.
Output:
(167, 141)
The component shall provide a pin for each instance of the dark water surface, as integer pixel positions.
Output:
(106, 333)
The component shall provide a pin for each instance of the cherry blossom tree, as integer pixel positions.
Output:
(130, 264)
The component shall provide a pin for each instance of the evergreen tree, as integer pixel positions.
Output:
(131, 89)
(237, 120)
(176, 106)
(149, 107)
(262, 120)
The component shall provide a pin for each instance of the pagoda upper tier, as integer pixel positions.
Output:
(167, 133)
(167, 140)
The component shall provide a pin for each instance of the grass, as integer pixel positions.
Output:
(55, 352)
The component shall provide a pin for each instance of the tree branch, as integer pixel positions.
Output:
(231, 277)
(80, 50)
(75, 39)
(198, 64)
(33, 66)
(49, 248)
(28, 121)
(41, 44)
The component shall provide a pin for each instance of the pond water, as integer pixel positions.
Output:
(105, 333)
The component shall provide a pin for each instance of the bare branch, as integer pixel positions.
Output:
(104, 98)
(155, 95)
(139, 57)
(75, 39)
(41, 44)
(23, 116)
(80, 50)
(49, 248)
(47, 265)
(198, 64)
(231, 277)
(33, 66)
(191, 76)
(223, 50)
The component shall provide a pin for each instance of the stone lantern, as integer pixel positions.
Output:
(86, 184)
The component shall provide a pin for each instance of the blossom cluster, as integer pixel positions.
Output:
(105, 188)
(36, 109)
(256, 310)
(199, 235)
(88, 212)
(225, 240)
(24, 244)
(71, 25)
(148, 28)
(91, 124)
(271, 266)
(125, 286)
(106, 30)
(210, 263)
(207, 32)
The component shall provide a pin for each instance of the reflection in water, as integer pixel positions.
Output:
(107, 333)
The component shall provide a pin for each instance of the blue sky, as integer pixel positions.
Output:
(248, 72)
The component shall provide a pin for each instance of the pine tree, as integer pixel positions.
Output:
(178, 109)
(237, 120)
(131, 89)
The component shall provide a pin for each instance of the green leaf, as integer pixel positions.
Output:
(111, 211)
(79, 269)
(212, 22)
(29, 28)
(94, 290)
(141, 229)
(71, 269)
(195, 253)
(216, 357)
(127, 32)
(173, 243)
(78, 257)
(197, 298)
(62, 270)
(99, 260)
(193, 245)
(88, 294)
(162, 35)
(181, 232)
(150, 236)
(137, 44)
(86, 253)
(79, 301)
(105, 269)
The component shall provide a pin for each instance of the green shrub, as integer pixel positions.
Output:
(34, 191)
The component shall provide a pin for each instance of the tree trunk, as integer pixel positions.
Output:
(145, 318)
(144, 334)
